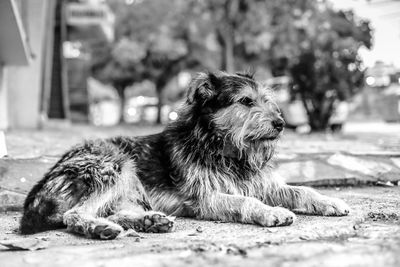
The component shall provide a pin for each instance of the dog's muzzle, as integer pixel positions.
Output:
(278, 124)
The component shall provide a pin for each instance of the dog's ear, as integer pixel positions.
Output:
(202, 88)
(246, 74)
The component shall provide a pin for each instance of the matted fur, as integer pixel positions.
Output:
(212, 163)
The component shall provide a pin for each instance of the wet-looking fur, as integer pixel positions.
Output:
(211, 163)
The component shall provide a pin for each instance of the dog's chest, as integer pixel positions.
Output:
(203, 181)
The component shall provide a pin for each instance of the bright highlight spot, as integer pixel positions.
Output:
(370, 80)
(132, 111)
(173, 116)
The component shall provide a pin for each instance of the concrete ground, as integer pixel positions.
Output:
(369, 236)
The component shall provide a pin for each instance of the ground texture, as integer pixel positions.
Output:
(362, 167)
(370, 236)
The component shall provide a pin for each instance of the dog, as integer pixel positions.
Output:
(212, 163)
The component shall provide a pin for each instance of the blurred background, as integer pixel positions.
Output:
(110, 62)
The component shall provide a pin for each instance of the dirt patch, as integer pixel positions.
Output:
(383, 216)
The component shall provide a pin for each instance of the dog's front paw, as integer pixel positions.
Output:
(329, 206)
(275, 216)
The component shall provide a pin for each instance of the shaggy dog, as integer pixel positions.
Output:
(211, 164)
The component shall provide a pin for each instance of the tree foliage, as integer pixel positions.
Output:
(241, 29)
(318, 47)
(305, 39)
(153, 41)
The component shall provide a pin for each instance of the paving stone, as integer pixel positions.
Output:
(396, 161)
(23, 144)
(314, 144)
(306, 172)
(360, 165)
(386, 153)
(20, 175)
(11, 200)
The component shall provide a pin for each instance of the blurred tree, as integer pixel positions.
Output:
(306, 39)
(117, 64)
(241, 29)
(318, 47)
(153, 41)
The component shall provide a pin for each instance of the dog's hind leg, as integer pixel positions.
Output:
(88, 216)
(135, 212)
(84, 223)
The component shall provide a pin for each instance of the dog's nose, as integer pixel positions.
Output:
(278, 124)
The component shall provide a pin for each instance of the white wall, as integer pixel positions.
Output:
(25, 83)
(3, 99)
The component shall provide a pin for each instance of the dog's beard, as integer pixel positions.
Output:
(244, 140)
(261, 154)
(256, 152)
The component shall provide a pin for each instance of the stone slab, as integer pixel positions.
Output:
(19, 175)
(300, 172)
(11, 201)
(360, 165)
(338, 169)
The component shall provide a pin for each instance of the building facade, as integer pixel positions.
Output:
(25, 37)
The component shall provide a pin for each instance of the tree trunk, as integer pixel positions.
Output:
(319, 117)
(160, 85)
(228, 60)
(159, 104)
(226, 36)
(122, 99)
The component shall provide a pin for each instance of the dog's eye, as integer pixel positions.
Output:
(246, 101)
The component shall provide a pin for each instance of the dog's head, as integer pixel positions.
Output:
(237, 109)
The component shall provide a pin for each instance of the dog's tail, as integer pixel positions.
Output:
(40, 212)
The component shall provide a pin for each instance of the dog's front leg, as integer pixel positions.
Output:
(236, 208)
(305, 200)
